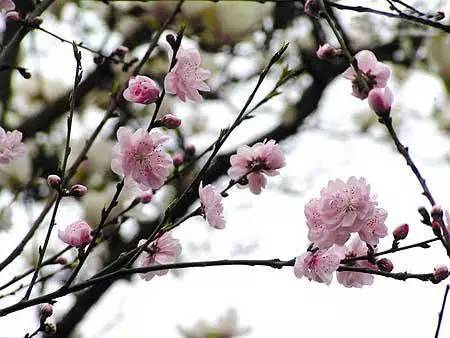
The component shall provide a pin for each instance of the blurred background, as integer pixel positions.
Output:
(325, 132)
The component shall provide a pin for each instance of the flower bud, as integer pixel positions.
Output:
(189, 150)
(436, 227)
(146, 197)
(37, 21)
(121, 51)
(98, 59)
(436, 212)
(77, 234)
(380, 100)
(46, 310)
(401, 232)
(54, 181)
(312, 8)
(78, 190)
(385, 264)
(177, 159)
(440, 273)
(327, 52)
(61, 260)
(170, 121)
(171, 39)
(13, 15)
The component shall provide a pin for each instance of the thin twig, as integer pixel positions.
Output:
(441, 313)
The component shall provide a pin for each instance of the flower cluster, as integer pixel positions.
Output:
(11, 146)
(163, 250)
(342, 209)
(255, 163)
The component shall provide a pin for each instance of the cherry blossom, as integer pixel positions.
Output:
(141, 89)
(374, 229)
(187, 77)
(163, 250)
(351, 279)
(139, 156)
(380, 100)
(263, 158)
(211, 205)
(77, 234)
(11, 146)
(375, 73)
(319, 265)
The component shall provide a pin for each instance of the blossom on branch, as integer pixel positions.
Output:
(211, 206)
(375, 73)
(380, 100)
(141, 89)
(11, 146)
(139, 156)
(187, 77)
(163, 250)
(319, 265)
(263, 158)
(7, 5)
(77, 234)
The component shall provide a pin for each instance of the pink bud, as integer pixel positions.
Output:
(385, 264)
(170, 121)
(401, 232)
(77, 234)
(177, 159)
(121, 51)
(141, 89)
(46, 310)
(13, 15)
(326, 52)
(312, 8)
(440, 273)
(146, 197)
(54, 181)
(189, 150)
(439, 16)
(78, 190)
(380, 100)
(436, 212)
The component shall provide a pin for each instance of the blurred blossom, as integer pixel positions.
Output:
(438, 54)
(226, 326)
(11, 146)
(5, 218)
(16, 173)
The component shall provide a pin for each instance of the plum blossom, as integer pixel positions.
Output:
(263, 158)
(374, 229)
(187, 77)
(77, 234)
(319, 265)
(375, 73)
(380, 100)
(211, 206)
(141, 89)
(351, 279)
(163, 250)
(139, 156)
(11, 146)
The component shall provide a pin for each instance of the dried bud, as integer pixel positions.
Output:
(46, 310)
(312, 8)
(121, 51)
(439, 16)
(54, 181)
(436, 212)
(13, 15)
(401, 232)
(436, 228)
(385, 264)
(61, 260)
(37, 21)
(170, 121)
(189, 150)
(177, 159)
(78, 190)
(146, 197)
(49, 329)
(440, 273)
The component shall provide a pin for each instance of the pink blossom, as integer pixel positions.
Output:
(163, 250)
(326, 52)
(346, 205)
(375, 73)
(77, 234)
(187, 77)
(319, 265)
(141, 89)
(261, 159)
(13, 15)
(11, 146)
(351, 279)
(374, 228)
(139, 156)
(380, 100)
(211, 205)
(7, 5)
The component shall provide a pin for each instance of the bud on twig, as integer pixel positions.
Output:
(54, 181)
(385, 264)
(78, 190)
(440, 273)
(189, 150)
(436, 228)
(146, 197)
(170, 121)
(178, 159)
(436, 213)
(46, 310)
(401, 232)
